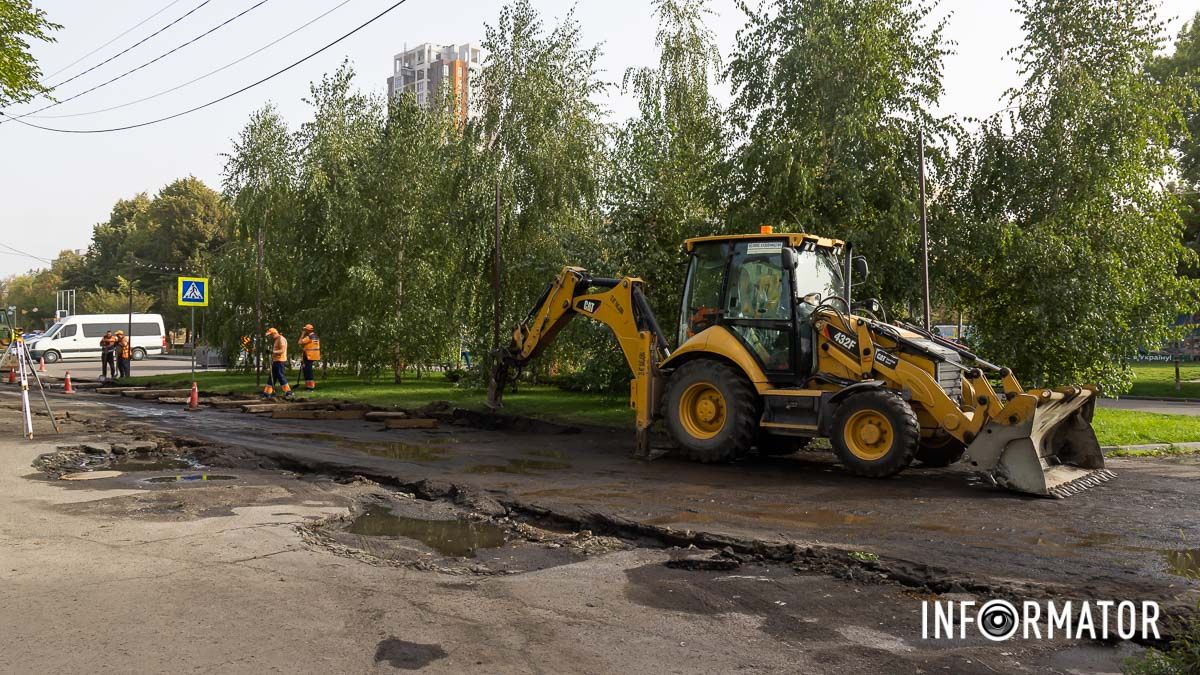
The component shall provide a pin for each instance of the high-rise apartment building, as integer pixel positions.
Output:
(425, 69)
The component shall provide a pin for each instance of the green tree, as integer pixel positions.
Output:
(21, 22)
(668, 163)
(409, 285)
(329, 239)
(260, 185)
(545, 146)
(830, 95)
(1068, 245)
(1182, 65)
(116, 301)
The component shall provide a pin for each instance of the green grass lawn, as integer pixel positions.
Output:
(1113, 427)
(1158, 380)
(1131, 427)
(539, 401)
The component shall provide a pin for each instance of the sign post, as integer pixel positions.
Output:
(193, 292)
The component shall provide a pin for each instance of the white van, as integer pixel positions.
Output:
(78, 337)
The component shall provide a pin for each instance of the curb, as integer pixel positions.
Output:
(1153, 398)
(1190, 446)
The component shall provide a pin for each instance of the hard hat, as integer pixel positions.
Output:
(272, 331)
(120, 332)
(308, 326)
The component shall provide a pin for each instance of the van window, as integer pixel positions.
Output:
(146, 329)
(68, 331)
(140, 329)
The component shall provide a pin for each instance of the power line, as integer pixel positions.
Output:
(118, 37)
(206, 33)
(132, 46)
(27, 255)
(217, 100)
(202, 77)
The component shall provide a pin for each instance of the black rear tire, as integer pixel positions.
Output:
(875, 433)
(940, 450)
(738, 409)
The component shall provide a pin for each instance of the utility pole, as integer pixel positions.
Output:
(258, 259)
(927, 313)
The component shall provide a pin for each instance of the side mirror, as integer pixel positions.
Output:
(860, 267)
(871, 305)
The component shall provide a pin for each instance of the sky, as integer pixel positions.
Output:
(54, 187)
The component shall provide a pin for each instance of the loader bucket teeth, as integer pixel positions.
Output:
(1054, 453)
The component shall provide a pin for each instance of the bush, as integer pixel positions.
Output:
(455, 375)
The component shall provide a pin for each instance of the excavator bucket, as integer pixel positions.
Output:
(1053, 452)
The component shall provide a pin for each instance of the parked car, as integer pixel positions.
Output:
(78, 336)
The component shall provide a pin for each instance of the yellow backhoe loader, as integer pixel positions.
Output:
(771, 354)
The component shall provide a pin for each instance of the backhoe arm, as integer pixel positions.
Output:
(619, 304)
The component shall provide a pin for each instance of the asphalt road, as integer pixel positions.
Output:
(89, 369)
(1162, 407)
(1102, 542)
(121, 575)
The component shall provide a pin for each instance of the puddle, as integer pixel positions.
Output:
(524, 467)
(158, 464)
(408, 452)
(810, 518)
(189, 477)
(90, 475)
(458, 538)
(1185, 563)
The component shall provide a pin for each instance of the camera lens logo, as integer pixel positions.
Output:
(998, 620)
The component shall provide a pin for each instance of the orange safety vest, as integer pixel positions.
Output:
(279, 351)
(123, 345)
(310, 344)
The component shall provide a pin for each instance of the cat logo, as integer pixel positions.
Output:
(886, 358)
(589, 306)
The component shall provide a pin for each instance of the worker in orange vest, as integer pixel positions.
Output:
(278, 366)
(124, 354)
(310, 353)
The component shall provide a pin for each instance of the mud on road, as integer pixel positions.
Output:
(818, 566)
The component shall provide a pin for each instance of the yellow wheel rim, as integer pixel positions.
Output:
(702, 410)
(868, 435)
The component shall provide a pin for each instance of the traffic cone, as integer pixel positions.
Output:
(42, 365)
(12, 375)
(194, 399)
(67, 388)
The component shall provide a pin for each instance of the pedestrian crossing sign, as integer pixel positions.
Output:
(193, 291)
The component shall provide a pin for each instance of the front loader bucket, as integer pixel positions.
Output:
(1053, 452)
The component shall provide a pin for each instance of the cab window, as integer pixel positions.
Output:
(68, 331)
(702, 293)
(758, 302)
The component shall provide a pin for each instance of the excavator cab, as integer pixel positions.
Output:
(769, 355)
(765, 292)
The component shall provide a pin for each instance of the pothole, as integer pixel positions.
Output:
(438, 535)
(121, 455)
(459, 537)
(189, 477)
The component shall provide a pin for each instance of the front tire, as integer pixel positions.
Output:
(51, 357)
(875, 433)
(138, 354)
(711, 411)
